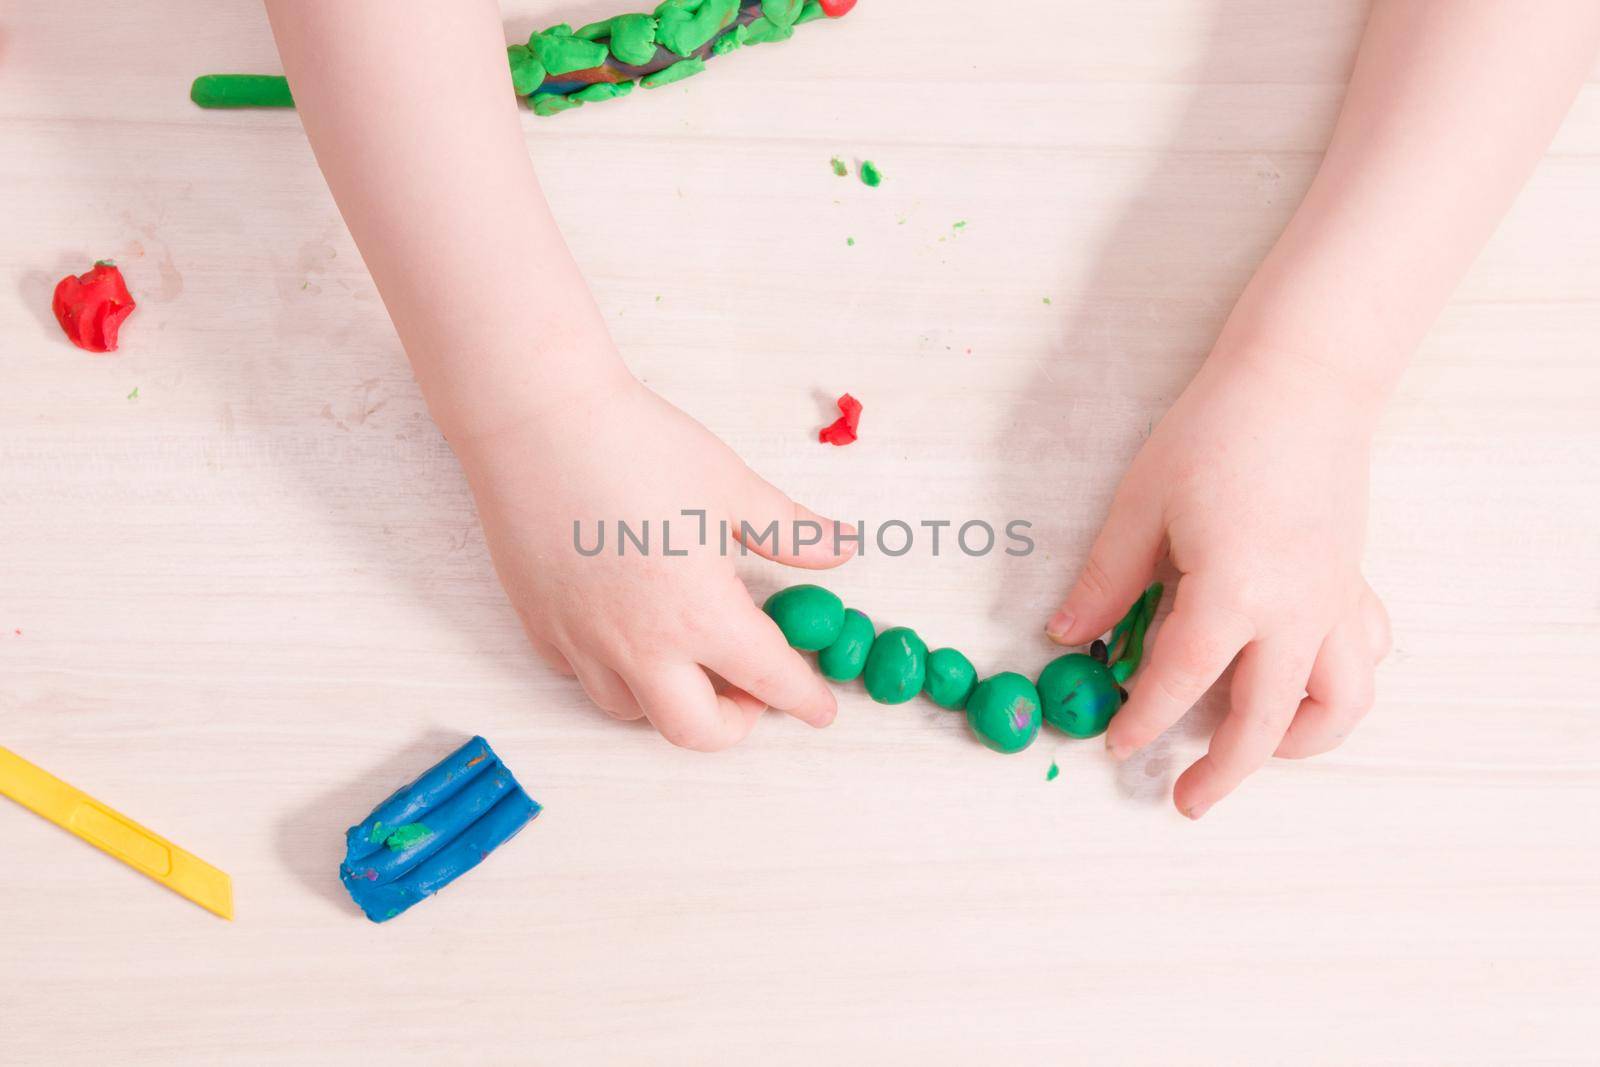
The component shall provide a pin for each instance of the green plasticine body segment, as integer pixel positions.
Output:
(560, 68)
(1076, 693)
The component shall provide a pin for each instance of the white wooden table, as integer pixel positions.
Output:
(246, 604)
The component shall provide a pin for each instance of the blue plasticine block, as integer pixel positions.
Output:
(433, 831)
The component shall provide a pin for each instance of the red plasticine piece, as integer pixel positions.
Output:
(834, 8)
(90, 307)
(842, 431)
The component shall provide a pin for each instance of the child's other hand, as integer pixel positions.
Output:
(1255, 483)
(640, 631)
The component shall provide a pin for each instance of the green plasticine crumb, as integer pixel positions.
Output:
(839, 168)
(376, 834)
(408, 836)
(961, 225)
(870, 174)
(135, 394)
(686, 68)
(1047, 300)
(1053, 773)
(851, 241)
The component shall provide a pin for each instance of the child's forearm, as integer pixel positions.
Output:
(409, 108)
(1450, 105)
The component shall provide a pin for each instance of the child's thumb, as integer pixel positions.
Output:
(1119, 566)
(769, 524)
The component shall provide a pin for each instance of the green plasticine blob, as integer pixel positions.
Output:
(1127, 637)
(241, 90)
(811, 12)
(633, 39)
(810, 616)
(1004, 712)
(547, 104)
(408, 836)
(764, 31)
(870, 174)
(686, 26)
(685, 68)
(1053, 773)
(730, 41)
(527, 73)
(839, 169)
(844, 660)
(782, 12)
(951, 678)
(896, 667)
(562, 53)
(1079, 695)
(603, 91)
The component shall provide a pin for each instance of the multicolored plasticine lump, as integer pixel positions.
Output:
(433, 831)
(561, 68)
(1076, 693)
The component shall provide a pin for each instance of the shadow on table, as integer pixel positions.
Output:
(309, 841)
(1190, 235)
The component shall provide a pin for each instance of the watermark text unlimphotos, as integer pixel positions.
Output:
(893, 537)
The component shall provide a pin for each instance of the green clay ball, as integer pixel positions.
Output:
(1004, 712)
(810, 617)
(844, 660)
(951, 678)
(896, 666)
(1079, 694)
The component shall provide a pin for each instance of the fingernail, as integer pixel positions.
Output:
(1059, 625)
(1194, 811)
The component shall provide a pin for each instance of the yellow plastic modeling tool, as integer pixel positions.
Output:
(149, 854)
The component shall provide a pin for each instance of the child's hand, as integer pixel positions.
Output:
(1256, 484)
(640, 631)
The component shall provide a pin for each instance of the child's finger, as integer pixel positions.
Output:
(606, 688)
(1375, 622)
(769, 524)
(1267, 686)
(1187, 655)
(1338, 694)
(683, 707)
(1118, 568)
(755, 657)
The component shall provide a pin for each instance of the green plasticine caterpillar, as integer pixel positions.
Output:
(1077, 693)
(560, 68)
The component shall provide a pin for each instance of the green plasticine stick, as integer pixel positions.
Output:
(241, 90)
(668, 45)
